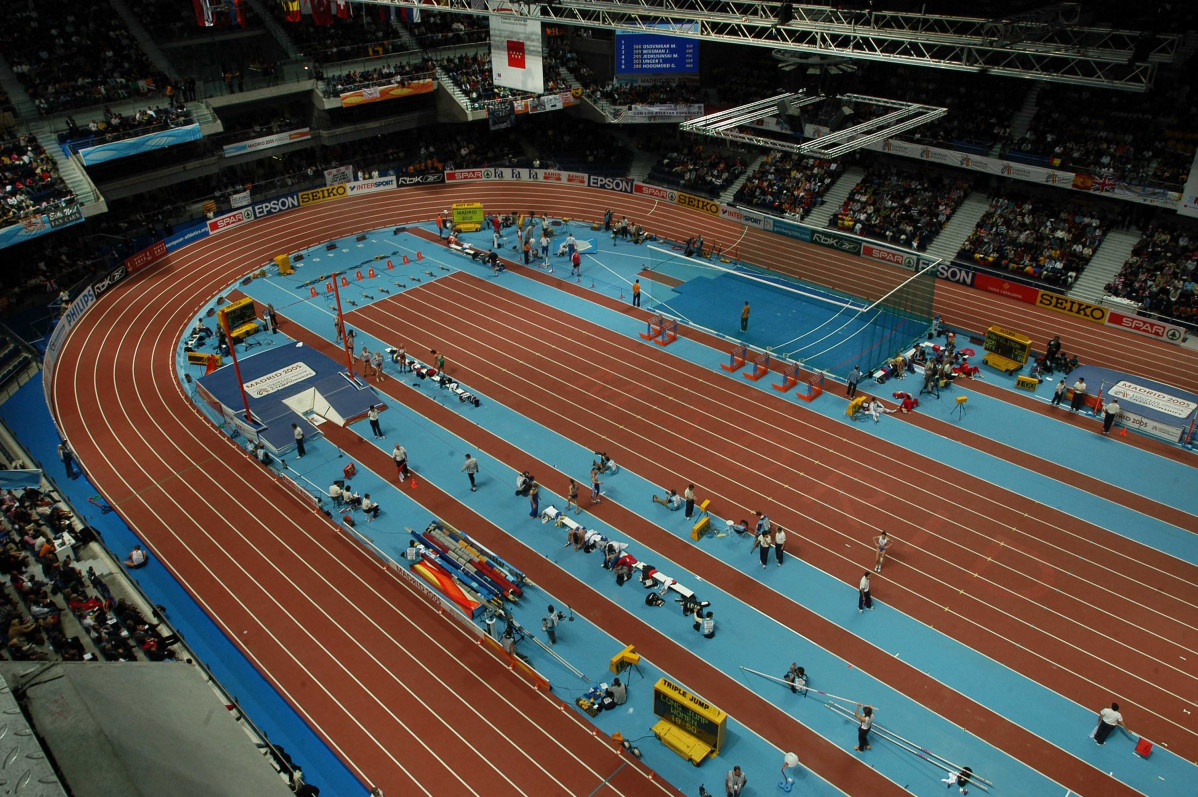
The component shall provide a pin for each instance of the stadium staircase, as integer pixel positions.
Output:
(144, 39)
(1102, 268)
(835, 197)
(275, 29)
(459, 96)
(959, 226)
(1022, 118)
(728, 193)
(21, 103)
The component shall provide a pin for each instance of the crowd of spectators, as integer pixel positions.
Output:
(74, 53)
(471, 73)
(694, 166)
(112, 126)
(1159, 275)
(383, 75)
(901, 207)
(580, 146)
(1143, 139)
(29, 179)
(787, 184)
(437, 29)
(1036, 238)
(43, 584)
(361, 35)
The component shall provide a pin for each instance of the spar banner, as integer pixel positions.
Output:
(230, 220)
(266, 142)
(1152, 399)
(102, 153)
(148, 256)
(339, 174)
(1093, 313)
(834, 241)
(656, 192)
(907, 260)
(392, 91)
(516, 173)
(1169, 333)
(516, 52)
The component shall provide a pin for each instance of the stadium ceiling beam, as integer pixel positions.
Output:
(1032, 46)
(725, 124)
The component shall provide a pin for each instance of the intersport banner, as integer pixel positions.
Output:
(516, 55)
(370, 186)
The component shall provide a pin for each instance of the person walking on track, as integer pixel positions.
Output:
(636, 293)
(373, 415)
(298, 433)
(400, 455)
(864, 600)
(471, 469)
(854, 378)
(881, 543)
(689, 496)
(779, 544)
(764, 541)
(595, 485)
(1059, 394)
(572, 498)
(534, 499)
(744, 318)
(1111, 413)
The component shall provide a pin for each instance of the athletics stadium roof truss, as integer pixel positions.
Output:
(1043, 46)
(727, 124)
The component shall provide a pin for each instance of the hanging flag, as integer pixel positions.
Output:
(204, 13)
(501, 115)
(343, 9)
(237, 13)
(516, 53)
(322, 12)
(292, 7)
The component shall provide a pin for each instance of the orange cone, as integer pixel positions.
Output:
(371, 273)
(389, 263)
(1123, 432)
(358, 275)
(405, 260)
(344, 281)
(418, 255)
(413, 482)
(328, 287)
(312, 288)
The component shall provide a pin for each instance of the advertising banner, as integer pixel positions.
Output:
(147, 256)
(278, 380)
(1189, 194)
(907, 260)
(620, 184)
(315, 196)
(516, 173)
(103, 153)
(701, 204)
(54, 345)
(516, 50)
(546, 102)
(370, 186)
(276, 205)
(800, 232)
(648, 114)
(38, 225)
(1009, 288)
(420, 179)
(108, 280)
(1075, 307)
(64, 216)
(1147, 326)
(339, 174)
(838, 242)
(1163, 431)
(266, 142)
(240, 199)
(392, 91)
(655, 192)
(185, 234)
(230, 220)
(1153, 399)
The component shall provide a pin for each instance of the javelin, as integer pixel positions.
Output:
(784, 682)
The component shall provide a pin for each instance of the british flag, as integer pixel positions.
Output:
(1103, 185)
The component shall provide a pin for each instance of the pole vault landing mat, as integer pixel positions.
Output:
(286, 385)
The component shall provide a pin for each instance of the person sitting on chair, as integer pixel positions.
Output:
(350, 497)
(336, 494)
(671, 502)
(370, 507)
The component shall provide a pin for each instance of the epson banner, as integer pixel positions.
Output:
(621, 184)
(276, 205)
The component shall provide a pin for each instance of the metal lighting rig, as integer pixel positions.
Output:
(1045, 45)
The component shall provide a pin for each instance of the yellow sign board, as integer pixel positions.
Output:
(467, 213)
(698, 203)
(317, 195)
(698, 718)
(1074, 307)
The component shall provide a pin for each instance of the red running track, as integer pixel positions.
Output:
(232, 557)
(410, 704)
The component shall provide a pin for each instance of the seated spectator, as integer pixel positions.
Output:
(369, 507)
(137, 558)
(29, 181)
(788, 184)
(900, 207)
(696, 168)
(1036, 238)
(336, 494)
(1160, 274)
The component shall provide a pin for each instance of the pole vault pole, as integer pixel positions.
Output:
(349, 355)
(224, 322)
(787, 683)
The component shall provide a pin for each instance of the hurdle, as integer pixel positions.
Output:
(669, 333)
(814, 389)
(739, 354)
(790, 378)
(655, 324)
(761, 367)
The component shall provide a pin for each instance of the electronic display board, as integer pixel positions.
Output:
(658, 53)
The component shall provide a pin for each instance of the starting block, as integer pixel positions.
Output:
(738, 359)
(790, 378)
(760, 368)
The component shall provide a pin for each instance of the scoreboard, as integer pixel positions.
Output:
(658, 53)
(680, 708)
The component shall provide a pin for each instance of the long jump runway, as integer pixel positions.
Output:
(370, 666)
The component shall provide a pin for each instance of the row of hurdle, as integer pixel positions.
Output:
(662, 331)
(760, 361)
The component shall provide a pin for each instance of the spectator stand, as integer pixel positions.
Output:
(788, 185)
(91, 59)
(901, 207)
(115, 126)
(29, 180)
(1033, 238)
(692, 166)
(435, 30)
(400, 68)
(1159, 277)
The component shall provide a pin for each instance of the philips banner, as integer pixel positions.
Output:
(516, 50)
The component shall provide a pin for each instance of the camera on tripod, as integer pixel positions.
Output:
(691, 604)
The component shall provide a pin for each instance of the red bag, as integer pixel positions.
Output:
(350, 470)
(1144, 748)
